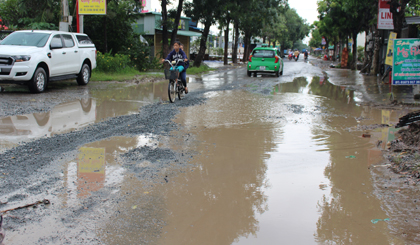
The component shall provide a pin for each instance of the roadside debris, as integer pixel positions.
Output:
(45, 201)
(351, 156)
(408, 119)
(366, 135)
(374, 221)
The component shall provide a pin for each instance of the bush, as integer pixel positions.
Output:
(117, 63)
(139, 54)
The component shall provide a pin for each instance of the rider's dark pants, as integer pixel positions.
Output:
(183, 76)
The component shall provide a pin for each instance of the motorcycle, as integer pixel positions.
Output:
(296, 57)
(290, 56)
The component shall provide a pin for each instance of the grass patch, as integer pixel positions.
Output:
(197, 70)
(126, 75)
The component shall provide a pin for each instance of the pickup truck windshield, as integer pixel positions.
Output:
(26, 39)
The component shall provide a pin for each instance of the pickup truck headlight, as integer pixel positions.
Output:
(20, 58)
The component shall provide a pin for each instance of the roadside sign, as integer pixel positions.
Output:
(92, 7)
(323, 42)
(385, 19)
(390, 48)
(406, 63)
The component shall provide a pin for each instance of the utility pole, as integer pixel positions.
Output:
(65, 18)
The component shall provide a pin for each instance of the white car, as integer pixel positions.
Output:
(34, 58)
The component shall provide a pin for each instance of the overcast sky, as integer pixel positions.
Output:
(305, 8)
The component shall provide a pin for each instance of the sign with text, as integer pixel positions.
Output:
(92, 7)
(385, 19)
(390, 48)
(406, 64)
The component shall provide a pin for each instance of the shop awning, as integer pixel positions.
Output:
(184, 33)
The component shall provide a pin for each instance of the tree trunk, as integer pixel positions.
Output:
(367, 59)
(354, 61)
(176, 22)
(203, 44)
(334, 51)
(235, 48)
(225, 58)
(398, 15)
(165, 48)
(377, 49)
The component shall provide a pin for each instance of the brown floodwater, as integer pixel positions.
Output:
(289, 168)
(104, 103)
(280, 169)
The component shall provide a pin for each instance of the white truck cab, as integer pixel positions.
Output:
(34, 58)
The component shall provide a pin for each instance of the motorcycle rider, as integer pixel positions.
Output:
(306, 54)
(290, 55)
(296, 54)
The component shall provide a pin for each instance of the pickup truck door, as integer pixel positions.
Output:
(57, 62)
(71, 55)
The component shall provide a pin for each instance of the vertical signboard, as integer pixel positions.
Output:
(406, 64)
(385, 19)
(146, 6)
(390, 48)
(92, 7)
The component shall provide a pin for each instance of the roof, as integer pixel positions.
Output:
(184, 33)
(412, 20)
(156, 13)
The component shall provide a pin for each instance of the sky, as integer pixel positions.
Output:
(307, 9)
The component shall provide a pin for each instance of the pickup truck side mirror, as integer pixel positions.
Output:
(56, 46)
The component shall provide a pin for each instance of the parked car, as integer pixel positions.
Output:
(265, 60)
(34, 58)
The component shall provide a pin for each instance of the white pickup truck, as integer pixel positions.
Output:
(34, 58)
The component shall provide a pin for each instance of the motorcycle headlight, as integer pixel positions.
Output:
(21, 58)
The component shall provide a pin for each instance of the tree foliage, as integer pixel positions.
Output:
(31, 14)
(340, 19)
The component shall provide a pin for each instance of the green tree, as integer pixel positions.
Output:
(316, 38)
(31, 14)
(120, 16)
(346, 18)
(204, 11)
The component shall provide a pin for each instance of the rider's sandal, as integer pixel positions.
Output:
(186, 90)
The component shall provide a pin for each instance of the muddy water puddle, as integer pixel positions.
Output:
(114, 100)
(288, 168)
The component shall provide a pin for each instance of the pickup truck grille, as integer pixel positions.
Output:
(6, 60)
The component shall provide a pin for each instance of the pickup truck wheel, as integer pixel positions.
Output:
(38, 83)
(84, 75)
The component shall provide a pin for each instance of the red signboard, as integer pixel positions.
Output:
(385, 19)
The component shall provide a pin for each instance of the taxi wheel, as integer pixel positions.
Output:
(248, 73)
(278, 73)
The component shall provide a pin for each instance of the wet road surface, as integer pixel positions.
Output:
(264, 160)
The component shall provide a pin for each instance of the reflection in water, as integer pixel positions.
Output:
(61, 119)
(346, 212)
(97, 166)
(110, 102)
(90, 170)
(220, 200)
(123, 100)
